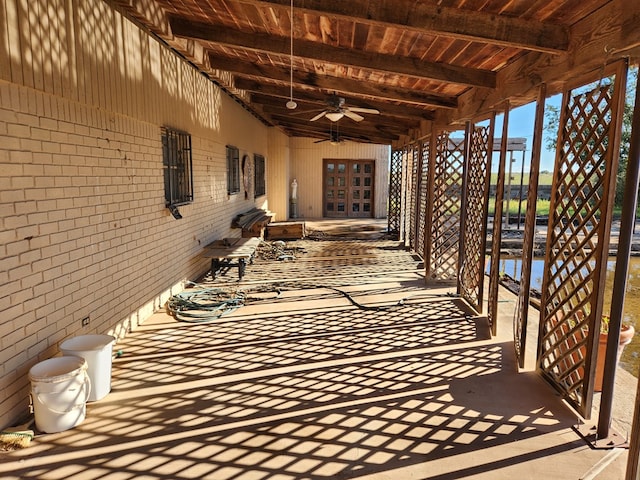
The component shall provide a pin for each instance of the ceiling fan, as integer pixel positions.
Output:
(334, 139)
(334, 136)
(336, 110)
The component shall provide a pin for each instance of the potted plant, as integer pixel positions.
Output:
(626, 334)
(568, 346)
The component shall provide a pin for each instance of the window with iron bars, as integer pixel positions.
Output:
(233, 170)
(178, 167)
(259, 174)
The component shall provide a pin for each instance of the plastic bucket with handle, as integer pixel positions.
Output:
(60, 388)
(97, 351)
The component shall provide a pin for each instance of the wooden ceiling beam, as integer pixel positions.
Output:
(303, 129)
(434, 19)
(275, 96)
(370, 61)
(344, 85)
(298, 131)
(609, 34)
(352, 87)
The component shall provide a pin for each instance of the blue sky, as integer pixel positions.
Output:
(521, 122)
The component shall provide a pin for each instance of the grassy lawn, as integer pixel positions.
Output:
(546, 178)
(542, 207)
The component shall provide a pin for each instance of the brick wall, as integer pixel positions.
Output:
(83, 226)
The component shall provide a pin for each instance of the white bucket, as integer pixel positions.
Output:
(97, 351)
(59, 387)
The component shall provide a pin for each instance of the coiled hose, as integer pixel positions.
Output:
(203, 305)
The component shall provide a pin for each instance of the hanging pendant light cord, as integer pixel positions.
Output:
(291, 53)
(291, 104)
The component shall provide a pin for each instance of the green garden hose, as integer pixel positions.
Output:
(204, 305)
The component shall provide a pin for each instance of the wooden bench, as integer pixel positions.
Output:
(231, 252)
(253, 222)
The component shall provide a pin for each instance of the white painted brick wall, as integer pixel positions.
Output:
(83, 227)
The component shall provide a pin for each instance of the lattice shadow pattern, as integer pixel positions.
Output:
(326, 263)
(246, 344)
(327, 422)
(316, 393)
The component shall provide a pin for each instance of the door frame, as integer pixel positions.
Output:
(348, 187)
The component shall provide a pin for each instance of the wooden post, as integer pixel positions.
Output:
(631, 189)
(494, 269)
(622, 267)
(463, 199)
(428, 228)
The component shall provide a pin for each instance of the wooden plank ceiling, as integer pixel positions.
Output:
(412, 61)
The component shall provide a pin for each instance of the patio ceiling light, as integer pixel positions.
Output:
(334, 116)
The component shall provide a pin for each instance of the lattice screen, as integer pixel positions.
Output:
(445, 217)
(471, 276)
(577, 244)
(406, 179)
(395, 193)
(423, 189)
(414, 160)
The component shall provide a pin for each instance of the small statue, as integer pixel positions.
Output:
(294, 189)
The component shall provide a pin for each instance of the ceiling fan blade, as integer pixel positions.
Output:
(353, 116)
(319, 116)
(365, 110)
(320, 141)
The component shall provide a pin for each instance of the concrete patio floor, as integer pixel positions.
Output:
(340, 365)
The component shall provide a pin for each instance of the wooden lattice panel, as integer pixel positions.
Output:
(395, 193)
(445, 218)
(471, 277)
(406, 194)
(413, 156)
(423, 188)
(577, 242)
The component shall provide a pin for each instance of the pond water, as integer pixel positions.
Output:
(630, 360)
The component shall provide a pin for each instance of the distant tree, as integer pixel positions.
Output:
(552, 120)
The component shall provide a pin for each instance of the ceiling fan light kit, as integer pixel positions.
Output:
(334, 137)
(334, 116)
(336, 109)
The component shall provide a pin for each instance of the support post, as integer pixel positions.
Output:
(428, 228)
(494, 269)
(468, 131)
(620, 277)
(520, 192)
(511, 160)
(631, 189)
